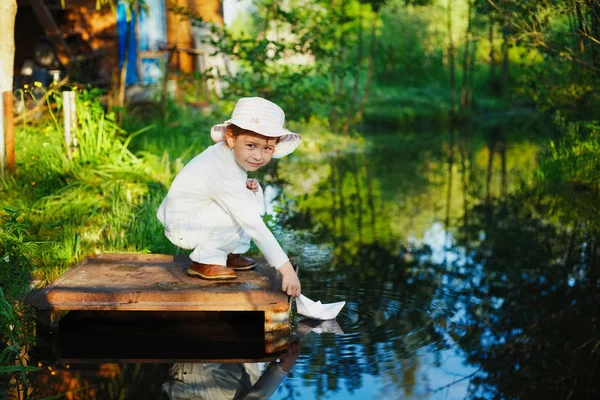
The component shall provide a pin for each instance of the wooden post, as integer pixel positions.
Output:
(69, 121)
(9, 130)
(2, 144)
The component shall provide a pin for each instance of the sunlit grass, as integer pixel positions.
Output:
(89, 203)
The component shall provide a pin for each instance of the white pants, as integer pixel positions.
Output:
(212, 233)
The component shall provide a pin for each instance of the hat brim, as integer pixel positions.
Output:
(288, 141)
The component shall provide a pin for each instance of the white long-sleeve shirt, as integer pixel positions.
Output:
(215, 176)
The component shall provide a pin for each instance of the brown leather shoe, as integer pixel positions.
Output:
(210, 271)
(240, 263)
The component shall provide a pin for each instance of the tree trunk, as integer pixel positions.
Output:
(465, 64)
(580, 28)
(595, 16)
(471, 75)
(8, 12)
(353, 105)
(492, 60)
(337, 73)
(370, 71)
(505, 60)
(451, 62)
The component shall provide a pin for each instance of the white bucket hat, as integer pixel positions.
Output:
(263, 117)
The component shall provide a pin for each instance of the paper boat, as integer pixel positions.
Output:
(317, 310)
(309, 325)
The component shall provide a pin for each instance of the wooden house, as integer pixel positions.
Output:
(87, 42)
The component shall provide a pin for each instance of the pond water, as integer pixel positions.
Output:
(461, 279)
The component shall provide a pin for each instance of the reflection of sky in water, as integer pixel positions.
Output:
(439, 375)
(440, 368)
(438, 240)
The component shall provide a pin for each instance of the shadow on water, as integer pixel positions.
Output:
(463, 279)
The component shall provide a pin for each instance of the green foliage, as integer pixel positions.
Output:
(570, 170)
(308, 56)
(418, 104)
(181, 133)
(575, 159)
(13, 338)
(410, 47)
(16, 252)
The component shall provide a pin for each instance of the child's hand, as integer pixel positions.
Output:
(252, 184)
(290, 283)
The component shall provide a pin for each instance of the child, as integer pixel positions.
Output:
(213, 208)
(229, 380)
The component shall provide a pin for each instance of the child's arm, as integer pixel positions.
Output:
(290, 282)
(241, 204)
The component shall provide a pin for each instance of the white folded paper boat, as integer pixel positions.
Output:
(309, 325)
(318, 310)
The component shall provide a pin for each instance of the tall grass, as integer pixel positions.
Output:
(16, 250)
(55, 209)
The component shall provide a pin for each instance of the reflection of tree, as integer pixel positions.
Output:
(496, 143)
(400, 188)
(533, 302)
(392, 320)
(346, 208)
(367, 264)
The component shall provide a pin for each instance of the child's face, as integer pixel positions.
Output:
(251, 152)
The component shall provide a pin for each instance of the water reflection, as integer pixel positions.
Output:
(498, 272)
(462, 278)
(171, 355)
(223, 381)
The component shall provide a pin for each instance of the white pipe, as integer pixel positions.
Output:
(68, 99)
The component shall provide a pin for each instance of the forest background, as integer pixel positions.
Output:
(340, 68)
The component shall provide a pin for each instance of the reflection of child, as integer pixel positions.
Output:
(213, 208)
(229, 381)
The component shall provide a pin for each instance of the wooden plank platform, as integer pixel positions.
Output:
(156, 282)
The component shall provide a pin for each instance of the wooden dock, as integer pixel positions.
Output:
(154, 282)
